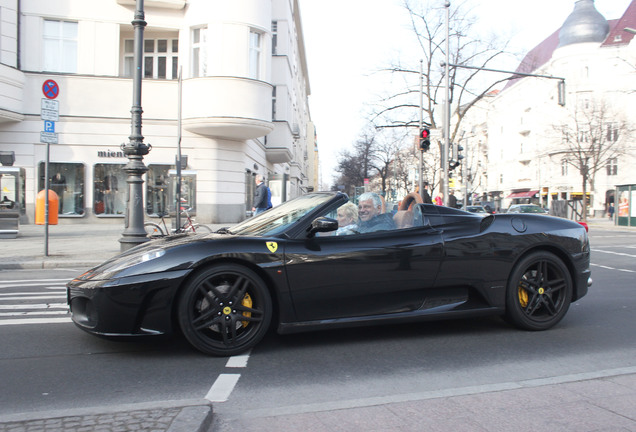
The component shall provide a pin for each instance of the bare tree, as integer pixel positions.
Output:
(400, 108)
(373, 155)
(591, 138)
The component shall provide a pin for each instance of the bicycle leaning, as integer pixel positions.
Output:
(189, 226)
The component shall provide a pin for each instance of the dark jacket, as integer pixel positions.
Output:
(260, 196)
(426, 197)
(381, 222)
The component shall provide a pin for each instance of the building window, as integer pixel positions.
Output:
(612, 167)
(67, 181)
(255, 54)
(199, 52)
(60, 46)
(157, 190)
(161, 58)
(612, 132)
(273, 103)
(564, 167)
(274, 37)
(109, 189)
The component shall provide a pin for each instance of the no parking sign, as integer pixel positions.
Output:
(50, 89)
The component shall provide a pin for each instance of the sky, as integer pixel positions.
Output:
(347, 41)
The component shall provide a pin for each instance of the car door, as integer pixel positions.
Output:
(362, 274)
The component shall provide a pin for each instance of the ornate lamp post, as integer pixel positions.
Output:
(134, 233)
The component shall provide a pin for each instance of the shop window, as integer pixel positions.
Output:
(67, 181)
(109, 189)
(188, 190)
(157, 190)
(12, 182)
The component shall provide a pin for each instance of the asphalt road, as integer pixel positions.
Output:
(54, 365)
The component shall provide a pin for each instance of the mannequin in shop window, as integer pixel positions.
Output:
(58, 185)
(110, 190)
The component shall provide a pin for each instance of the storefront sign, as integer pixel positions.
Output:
(110, 154)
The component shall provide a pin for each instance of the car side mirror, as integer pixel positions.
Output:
(322, 224)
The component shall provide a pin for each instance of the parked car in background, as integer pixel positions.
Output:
(476, 209)
(526, 208)
(489, 206)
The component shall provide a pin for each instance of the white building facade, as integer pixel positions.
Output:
(244, 102)
(516, 136)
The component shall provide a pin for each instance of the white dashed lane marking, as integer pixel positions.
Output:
(225, 383)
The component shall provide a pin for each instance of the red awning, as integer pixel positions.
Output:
(527, 194)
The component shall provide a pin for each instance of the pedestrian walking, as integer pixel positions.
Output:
(260, 195)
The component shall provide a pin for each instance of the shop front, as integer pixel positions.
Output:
(99, 190)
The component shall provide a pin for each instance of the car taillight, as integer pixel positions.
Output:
(587, 229)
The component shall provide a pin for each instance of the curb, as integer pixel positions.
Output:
(55, 264)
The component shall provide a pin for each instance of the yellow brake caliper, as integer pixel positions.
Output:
(247, 302)
(523, 297)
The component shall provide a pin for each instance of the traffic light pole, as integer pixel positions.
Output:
(421, 177)
(521, 74)
(446, 117)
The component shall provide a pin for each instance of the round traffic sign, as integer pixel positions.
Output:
(50, 89)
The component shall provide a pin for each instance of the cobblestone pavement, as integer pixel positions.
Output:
(167, 416)
(143, 420)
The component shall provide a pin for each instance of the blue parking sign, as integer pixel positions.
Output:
(49, 126)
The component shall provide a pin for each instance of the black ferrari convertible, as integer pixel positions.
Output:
(288, 267)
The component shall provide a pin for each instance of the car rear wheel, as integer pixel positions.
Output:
(225, 310)
(539, 292)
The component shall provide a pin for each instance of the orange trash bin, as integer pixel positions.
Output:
(40, 204)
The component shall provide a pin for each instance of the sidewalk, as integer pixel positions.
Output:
(604, 400)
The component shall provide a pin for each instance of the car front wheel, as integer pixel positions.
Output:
(225, 310)
(539, 292)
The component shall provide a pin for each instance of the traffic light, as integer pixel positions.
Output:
(425, 139)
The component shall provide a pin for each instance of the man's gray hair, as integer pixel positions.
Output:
(377, 201)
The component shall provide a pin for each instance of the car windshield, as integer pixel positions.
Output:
(476, 209)
(531, 209)
(281, 217)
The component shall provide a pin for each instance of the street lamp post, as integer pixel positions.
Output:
(134, 233)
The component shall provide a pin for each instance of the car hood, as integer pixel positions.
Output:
(170, 253)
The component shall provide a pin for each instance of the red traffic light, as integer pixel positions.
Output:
(425, 142)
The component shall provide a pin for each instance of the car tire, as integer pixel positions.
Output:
(539, 292)
(224, 310)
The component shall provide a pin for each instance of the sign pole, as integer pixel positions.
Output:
(49, 112)
(46, 199)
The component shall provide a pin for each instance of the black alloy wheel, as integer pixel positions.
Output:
(225, 310)
(539, 292)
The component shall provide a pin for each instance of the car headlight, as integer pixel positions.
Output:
(126, 262)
